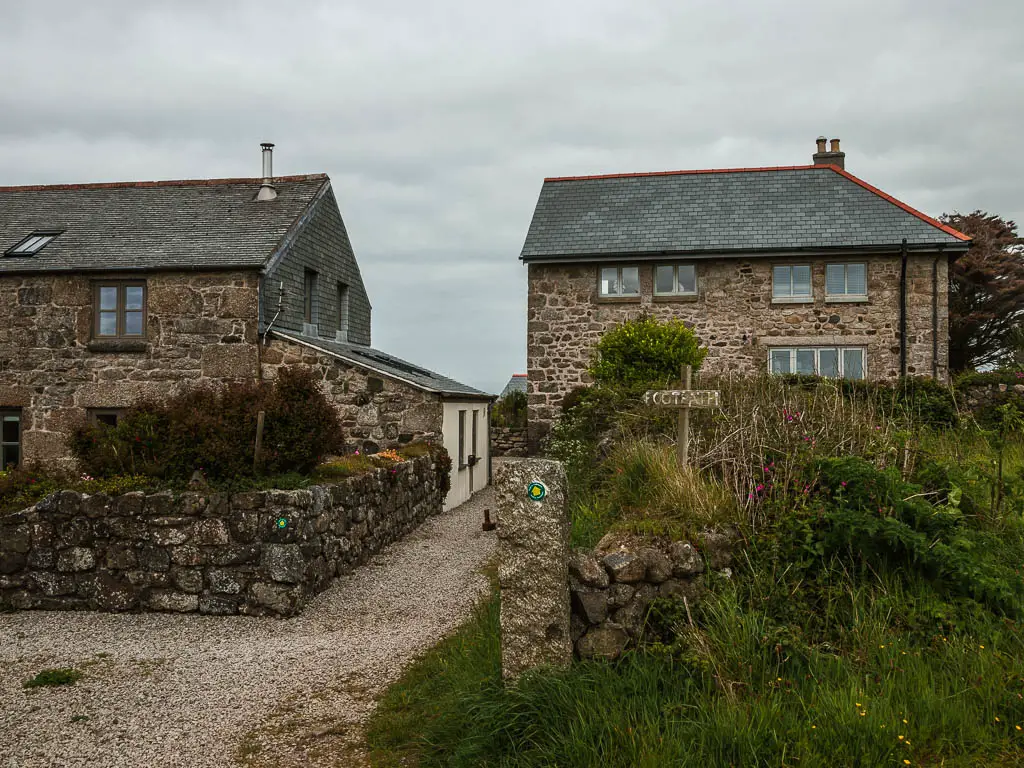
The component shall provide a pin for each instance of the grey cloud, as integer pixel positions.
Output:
(438, 121)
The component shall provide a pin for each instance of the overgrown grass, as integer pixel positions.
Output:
(736, 691)
(872, 620)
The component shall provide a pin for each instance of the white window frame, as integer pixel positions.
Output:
(791, 299)
(675, 280)
(618, 281)
(817, 358)
(840, 297)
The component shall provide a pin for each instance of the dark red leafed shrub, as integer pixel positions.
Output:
(214, 430)
(301, 425)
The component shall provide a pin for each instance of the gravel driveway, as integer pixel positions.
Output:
(169, 690)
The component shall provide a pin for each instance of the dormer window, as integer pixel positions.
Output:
(32, 244)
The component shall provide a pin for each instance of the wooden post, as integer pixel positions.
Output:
(683, 422)
(259, 442)
(683, 400)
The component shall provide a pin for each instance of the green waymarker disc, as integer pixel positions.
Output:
(282, 522)
(536, 491)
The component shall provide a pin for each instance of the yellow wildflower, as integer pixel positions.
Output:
(906, 762)
(900, 738)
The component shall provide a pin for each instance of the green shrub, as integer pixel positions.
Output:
(54, 677)
(871, 519)
(20, 488)
(1009, 376)
(302, 426)
(646, 352)
(214, 430)
(510, 411)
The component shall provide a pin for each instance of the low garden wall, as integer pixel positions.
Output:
(260, 552)
(508, 441)
(979, 397)
(612, 587)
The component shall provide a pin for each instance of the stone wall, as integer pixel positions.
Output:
(262, 552)
(979, 397)
(734, 316)
(201, 327)
(508, 441)
(612, 587)
(375, 411)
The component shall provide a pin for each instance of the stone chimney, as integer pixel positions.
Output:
(831, 157)
(267, 191)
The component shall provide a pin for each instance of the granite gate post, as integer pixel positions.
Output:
(533, 571)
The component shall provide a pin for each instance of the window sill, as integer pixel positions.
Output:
(794, 300)
(619, 299)
(675, 298)
(117, 345)
(846, 300)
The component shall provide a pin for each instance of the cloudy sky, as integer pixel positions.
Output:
(438, 120)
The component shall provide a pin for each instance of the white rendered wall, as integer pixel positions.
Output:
(461, 482)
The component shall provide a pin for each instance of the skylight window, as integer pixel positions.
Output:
(32, 244)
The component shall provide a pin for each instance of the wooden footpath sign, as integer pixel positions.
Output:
(683, 400)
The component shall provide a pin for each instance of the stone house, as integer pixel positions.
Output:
(804, 269)
(111, 293)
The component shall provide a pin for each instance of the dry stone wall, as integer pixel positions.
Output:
(508, 441)
(612, 587)
(262, 552)
(200, 328)
(734, 316)
(979, 397)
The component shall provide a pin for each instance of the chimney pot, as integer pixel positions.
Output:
(267, 191)
(832, 156)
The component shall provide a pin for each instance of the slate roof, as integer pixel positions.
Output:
(516, 384)
(722, 211)
(381, 362)
(206, 224)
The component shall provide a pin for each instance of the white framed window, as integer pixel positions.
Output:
(846, 282)
(675, 280)
(830, 362)
(791, 282)
(619, 281)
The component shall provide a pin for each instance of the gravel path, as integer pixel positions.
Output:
(168, 690)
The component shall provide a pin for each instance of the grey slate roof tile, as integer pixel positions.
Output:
(389, 365)
(209, 224)
(755, 210)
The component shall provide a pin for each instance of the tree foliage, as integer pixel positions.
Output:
(646, 352)
(986, 291)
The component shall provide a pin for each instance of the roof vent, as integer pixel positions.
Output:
(267, 191)
(832, 157)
